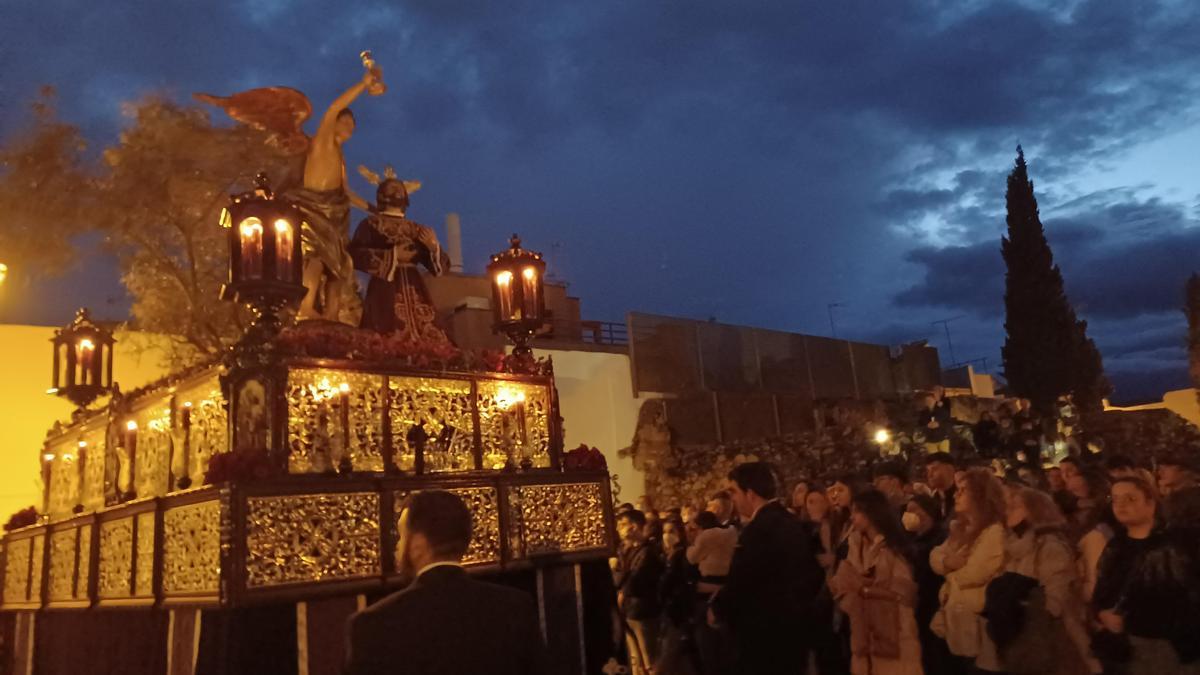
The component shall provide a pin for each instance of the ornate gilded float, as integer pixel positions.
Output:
(316, 512)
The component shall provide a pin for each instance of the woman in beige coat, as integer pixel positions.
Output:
(1038, 547)
(874, 586)
(972, 556)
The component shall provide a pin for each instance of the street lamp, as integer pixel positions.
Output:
(518, 297)
(82, 360)
(265, 259)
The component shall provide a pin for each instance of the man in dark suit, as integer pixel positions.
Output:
(768, 598)
(444, 623)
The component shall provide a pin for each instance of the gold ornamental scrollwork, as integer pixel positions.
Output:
(437, 413)
(116, 559)
(35, 572)
(152, 464)
(145, 555)
(191, 548)
(84, 571)
(16, 570)
(484, 505)
(315, 537)
(208, 425)
(327, 407)
(514, 423)
(62, 564)
(561, 518)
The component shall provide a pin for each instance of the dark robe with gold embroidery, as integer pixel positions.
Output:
(390, 248)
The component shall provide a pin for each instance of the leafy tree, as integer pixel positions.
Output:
(154, 196)
(42, 176)
(160, 194)
(1046, 351)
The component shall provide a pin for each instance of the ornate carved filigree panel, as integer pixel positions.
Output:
(62, 564)
(318, 427)
(436, 412)
(92, 488)
(305, 538)
(84, 563)
(145, 554)
(64, 478)
(208, 425)
(514, 423)
(35, 578)
(191, 548)
(16, 570)
(154, 442)
(561, 518)
(484, 504)
(116, 558)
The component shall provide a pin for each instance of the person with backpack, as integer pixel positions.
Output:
(1047, 634)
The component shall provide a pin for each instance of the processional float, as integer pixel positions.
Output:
(229, 517)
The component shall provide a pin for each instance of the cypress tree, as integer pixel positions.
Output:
(1192, 310)
(1046, 350)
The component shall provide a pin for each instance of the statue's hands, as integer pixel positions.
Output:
(373, 80)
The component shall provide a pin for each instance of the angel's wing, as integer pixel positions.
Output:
(278, 110)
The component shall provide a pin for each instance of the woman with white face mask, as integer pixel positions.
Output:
(922, 520)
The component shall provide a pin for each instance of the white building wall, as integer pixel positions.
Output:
(595, 391)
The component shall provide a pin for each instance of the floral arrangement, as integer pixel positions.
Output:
(23, 518)
(339, 341)
(242, 466)
(584, 458)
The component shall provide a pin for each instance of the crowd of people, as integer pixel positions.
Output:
(1087, 565)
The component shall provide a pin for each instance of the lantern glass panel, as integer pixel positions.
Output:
(284, 234)
(251, 232)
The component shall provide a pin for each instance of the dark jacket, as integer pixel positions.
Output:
(773, 583)
(638, 577)
(676, 589)
(446, 623)
(1152, 583)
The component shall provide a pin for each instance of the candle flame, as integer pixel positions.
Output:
(529, 273)
(282, 225)
(131, 425)
(251, 226)
(504, 278)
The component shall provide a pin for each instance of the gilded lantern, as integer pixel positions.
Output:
(518, 293)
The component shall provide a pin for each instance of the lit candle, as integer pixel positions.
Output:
(504, 292)
(529, 292)
(520, 411)
(131, 428)
(85, 350)
(251, 231)
(185, 480)
(283, 250)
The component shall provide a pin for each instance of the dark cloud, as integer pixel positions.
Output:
(753, 160)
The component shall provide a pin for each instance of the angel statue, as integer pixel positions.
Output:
(389, 247)
(323, 196)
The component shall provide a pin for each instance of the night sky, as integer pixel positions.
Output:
(748, 161)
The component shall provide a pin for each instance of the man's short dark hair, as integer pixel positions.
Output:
(941, 458)
(625, 507)
(443, 519)
(346, 112)
(756, 477)
(706, 520)
(636, 517)
(892, 470)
